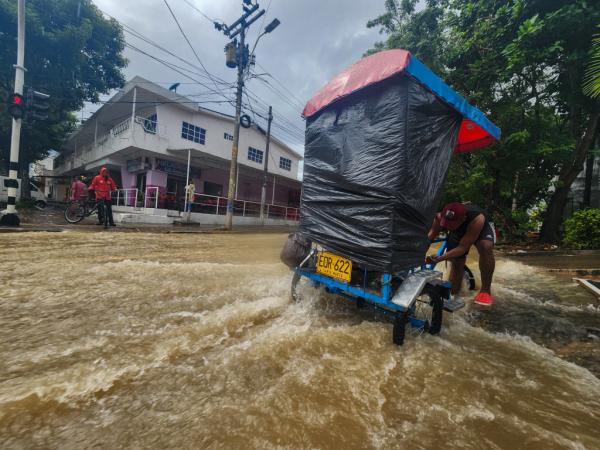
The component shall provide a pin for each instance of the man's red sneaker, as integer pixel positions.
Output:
(483, 298)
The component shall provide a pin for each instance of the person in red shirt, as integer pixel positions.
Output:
(79, 190)
(103, 185)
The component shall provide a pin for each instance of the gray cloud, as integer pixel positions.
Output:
(316, 40)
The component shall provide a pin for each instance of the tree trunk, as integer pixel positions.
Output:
(558, 201)
(587, 190)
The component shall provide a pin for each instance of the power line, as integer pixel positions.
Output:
(295, 132)
(300, 102)
(190, 44)
(140, 36)
(174, 67)
(265, 107)
(200, 12)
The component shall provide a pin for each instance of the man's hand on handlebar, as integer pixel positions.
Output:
(432, 259)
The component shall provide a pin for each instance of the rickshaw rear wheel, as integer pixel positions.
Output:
(429, 308)
(469, 279)
(399, 328)
(437, 311)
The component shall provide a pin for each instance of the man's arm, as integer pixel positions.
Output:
(435, 228)
(473, 232)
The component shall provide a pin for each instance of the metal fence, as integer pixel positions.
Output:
(203, 203)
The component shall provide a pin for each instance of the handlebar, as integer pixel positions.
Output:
(436, 240)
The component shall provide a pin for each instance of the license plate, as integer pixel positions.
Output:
(334, 266)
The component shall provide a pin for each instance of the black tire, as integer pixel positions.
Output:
(399, 328)
(437, 313)
(74, 212)
(40, 204)
(429, 307)
(469, 279)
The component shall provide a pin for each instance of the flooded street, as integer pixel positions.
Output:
(140, 340)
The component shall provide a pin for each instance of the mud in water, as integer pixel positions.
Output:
(111, 340)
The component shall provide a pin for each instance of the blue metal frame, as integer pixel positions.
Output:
(381, 301)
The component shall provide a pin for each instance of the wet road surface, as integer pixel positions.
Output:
(126, 340)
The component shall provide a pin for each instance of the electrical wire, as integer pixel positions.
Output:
(191, 5)
(291, 94)
(291, 130)
(190, 44)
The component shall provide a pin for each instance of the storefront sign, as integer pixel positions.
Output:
(175, 168)
(137, 164)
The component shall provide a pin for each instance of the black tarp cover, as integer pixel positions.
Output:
(375, 163)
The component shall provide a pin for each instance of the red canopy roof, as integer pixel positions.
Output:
(380, 66)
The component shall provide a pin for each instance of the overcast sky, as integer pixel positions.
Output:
(316, 40)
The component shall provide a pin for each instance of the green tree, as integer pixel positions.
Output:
(521, 62)
(591, 84)
(72, 53)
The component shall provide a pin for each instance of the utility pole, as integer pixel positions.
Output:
(238, 55)
(236, 131)
(11, 218)
(263, 195)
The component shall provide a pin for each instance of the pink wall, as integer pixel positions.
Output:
(127, 178)
(156, 178)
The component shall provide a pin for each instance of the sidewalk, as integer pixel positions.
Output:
(52, 220)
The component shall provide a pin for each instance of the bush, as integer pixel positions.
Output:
(582, 230)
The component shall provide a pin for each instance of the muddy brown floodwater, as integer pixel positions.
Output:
(133, 340)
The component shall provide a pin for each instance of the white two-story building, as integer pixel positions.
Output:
(145, 134)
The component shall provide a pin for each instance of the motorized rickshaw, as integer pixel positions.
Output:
(379, 139)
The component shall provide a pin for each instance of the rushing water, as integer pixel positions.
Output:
(131, 340)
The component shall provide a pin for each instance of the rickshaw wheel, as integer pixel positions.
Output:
(429, 307)
(437, 311)
(399, 328)
(469, 279)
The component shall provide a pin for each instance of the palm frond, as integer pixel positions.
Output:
(591, 80)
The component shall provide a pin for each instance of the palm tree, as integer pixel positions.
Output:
(591, 81)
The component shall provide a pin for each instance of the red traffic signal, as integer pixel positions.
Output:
(16, 107)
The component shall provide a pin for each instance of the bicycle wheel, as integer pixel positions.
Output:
(74, 212)
(429, 308)
(468, 279)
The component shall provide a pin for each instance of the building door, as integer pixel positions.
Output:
(175, 191)
(213, 189)
(293, 198)
(140, 182)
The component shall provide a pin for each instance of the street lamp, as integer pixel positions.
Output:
(274, 24)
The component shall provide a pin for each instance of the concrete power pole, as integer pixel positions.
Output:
(263, 195)
(236, 131)
(237, 55)
(11, 218)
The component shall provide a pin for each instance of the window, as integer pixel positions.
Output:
(255, 155)
(227, 137)
(285, 163)
(213, 189)
(193, 133)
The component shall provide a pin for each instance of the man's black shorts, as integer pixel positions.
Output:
(488, 233)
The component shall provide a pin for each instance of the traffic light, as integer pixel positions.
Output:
(37, 105)
(16, 106)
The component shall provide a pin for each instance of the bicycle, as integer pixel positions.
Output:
(77, 210)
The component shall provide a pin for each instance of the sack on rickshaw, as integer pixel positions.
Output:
(295, 250)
